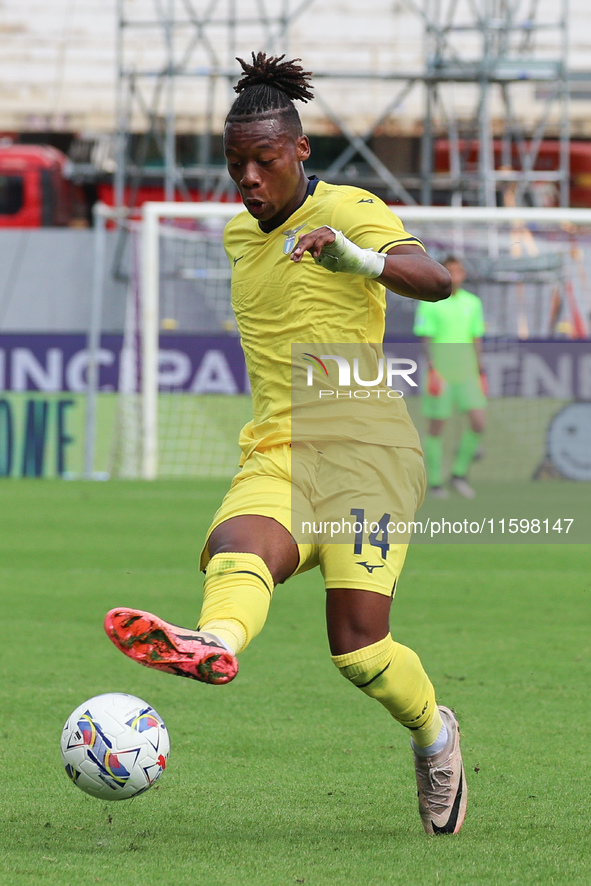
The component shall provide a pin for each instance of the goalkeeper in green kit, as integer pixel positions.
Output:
(452, 330)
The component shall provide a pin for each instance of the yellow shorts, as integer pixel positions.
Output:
(346, 505)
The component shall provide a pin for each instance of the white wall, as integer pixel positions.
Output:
(46, 279)
(57, 64)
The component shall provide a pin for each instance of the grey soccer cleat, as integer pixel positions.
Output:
(441, 783)
(462, 487)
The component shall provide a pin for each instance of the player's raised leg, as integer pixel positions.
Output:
(155, 643)
(248, 556)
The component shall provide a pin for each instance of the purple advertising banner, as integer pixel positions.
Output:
(50, 363)
(558, 370)
(215, 365)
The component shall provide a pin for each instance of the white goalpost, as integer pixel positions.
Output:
(153, 214)
(531, 268)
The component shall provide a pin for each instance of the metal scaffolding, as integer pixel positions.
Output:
(497, 50)
(489, 49)
(189, 43)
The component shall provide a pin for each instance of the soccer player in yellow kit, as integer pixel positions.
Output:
(310, 262)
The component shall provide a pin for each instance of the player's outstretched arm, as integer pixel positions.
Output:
(406, 269)
(410, 271)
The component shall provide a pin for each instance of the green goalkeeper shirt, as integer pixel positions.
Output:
(457, 320)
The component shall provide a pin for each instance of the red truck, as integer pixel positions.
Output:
(548, 158)
(34, 189)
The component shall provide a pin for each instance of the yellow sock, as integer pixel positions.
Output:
(394, 675)
(236, 596)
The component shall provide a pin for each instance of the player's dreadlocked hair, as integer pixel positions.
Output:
(268, 89)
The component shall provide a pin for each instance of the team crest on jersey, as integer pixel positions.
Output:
(290, 238)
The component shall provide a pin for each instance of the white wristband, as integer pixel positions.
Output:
(348, 258)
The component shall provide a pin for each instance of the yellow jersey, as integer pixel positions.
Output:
(278, 302)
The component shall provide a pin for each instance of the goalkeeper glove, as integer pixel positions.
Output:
(348, 258)
(435, 383)
(483, 381)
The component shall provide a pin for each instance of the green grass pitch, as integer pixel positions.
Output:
(288, 775)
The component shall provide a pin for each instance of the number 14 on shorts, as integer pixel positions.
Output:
(376, 531)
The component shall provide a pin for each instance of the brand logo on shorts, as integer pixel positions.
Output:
(370, 566)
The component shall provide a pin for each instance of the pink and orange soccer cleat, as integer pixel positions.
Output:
(154, 643)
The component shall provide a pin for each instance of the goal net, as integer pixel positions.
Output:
(183, 394)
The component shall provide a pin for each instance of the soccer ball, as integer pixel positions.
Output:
(114, 746)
